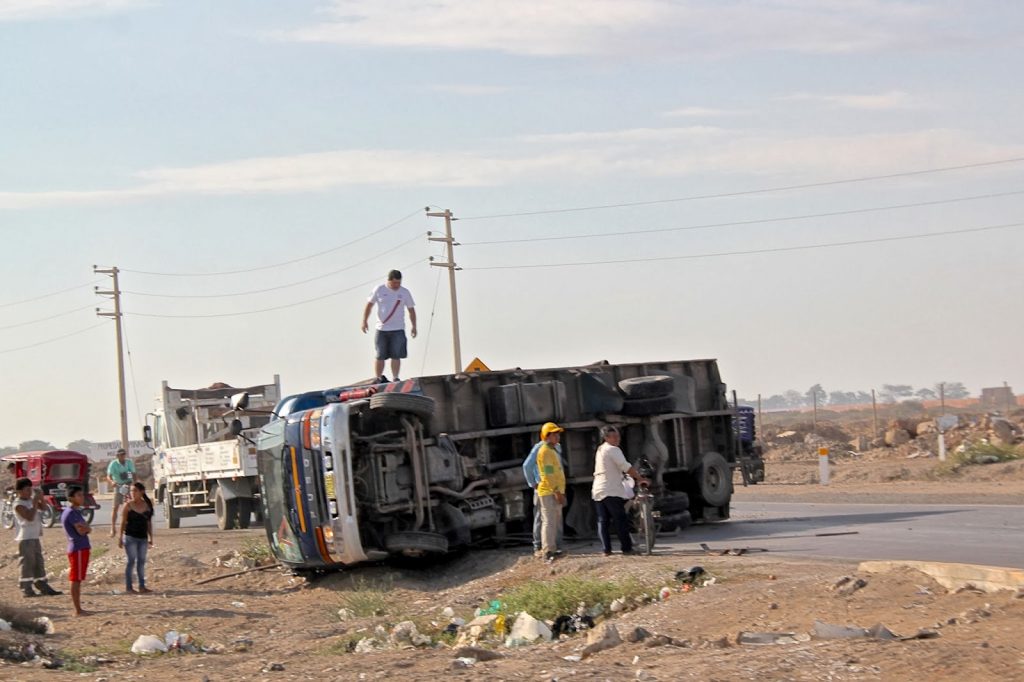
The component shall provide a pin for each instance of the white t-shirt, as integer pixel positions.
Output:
(391, 305)
(609, 467)
(27, 530)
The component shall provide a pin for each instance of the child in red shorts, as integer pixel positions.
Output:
(77, 531)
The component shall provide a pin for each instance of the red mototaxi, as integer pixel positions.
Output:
(54, 472)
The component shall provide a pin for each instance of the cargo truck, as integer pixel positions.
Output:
(204, 462)
(430, 465)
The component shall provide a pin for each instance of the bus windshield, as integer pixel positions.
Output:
(274, 475)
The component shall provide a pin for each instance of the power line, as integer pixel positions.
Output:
(417, 237)
(276, 265)
(44, 319)
(433, 309)
(764, 190)
(756, 221)
(719, 254)
(55, 338)
(52, 293)
(131, 368)
(273, 308)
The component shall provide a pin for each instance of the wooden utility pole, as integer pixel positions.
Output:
(874, 414)
(115, 293)
(452, 267)
(942, 397)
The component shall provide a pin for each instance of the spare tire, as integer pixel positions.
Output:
(648, 406)
(639, 388)
(714, 478)
(419, 405)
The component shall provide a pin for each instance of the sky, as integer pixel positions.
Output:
(751, 172)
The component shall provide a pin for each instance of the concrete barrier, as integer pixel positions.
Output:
(954, 576)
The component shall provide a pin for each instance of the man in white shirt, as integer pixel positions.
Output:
(29, 531)
(392, 300)
(609, 491)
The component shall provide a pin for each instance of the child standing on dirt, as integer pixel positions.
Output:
(30, 529)
(79, 546)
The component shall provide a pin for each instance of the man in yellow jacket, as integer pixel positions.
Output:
(550, 488)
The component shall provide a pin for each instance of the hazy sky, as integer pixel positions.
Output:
(198, 137)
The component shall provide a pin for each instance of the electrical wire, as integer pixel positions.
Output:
(52, 293)
(131, 369)
(273, 308)
(282, 286)
(44, 319)
(764, 190)
(433, 309)
(276, 265)
(749, 252)
(55, 338)
(808, 216)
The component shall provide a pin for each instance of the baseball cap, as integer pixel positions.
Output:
(549, 428)
(120, 451)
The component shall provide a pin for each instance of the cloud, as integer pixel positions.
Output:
(559, 157)
(469, 90)
(699, 112)
(885, 101)
(704, 28)
(31, 10)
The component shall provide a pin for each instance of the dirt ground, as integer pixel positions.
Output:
(250, 622)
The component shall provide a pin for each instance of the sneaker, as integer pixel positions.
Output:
(45, 589)
(396, 380)
(144, 590)
(382, 379)
(607, 552)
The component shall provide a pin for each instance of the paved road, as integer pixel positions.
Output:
(102, 518)
(983, 534)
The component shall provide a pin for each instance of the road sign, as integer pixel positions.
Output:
(477, 366)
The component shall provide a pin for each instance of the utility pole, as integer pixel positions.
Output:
(874, 414)
(115, 293)
(452, 267)
(942, 397)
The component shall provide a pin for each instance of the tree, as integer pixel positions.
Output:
(925, 394)
(775, 402)
(35, 445)
(815, 390)
(863, 398)
(794, 398)
(892, 392)
(8, 450)
(80, 445)
(953, 389)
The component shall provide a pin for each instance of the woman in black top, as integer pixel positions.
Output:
(136, 535)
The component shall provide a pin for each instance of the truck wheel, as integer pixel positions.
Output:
(419, 405)
(171, 516)
(714, 477)
(226, 510)
(648, 406)
(416, 543)
(639, 388)
(244, 511)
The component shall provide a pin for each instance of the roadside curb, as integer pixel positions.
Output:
(954, 576)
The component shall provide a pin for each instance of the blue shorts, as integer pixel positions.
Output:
(390, 345)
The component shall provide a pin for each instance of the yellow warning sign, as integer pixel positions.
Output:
(477, 366)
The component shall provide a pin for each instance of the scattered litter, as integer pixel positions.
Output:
(238, 604)
(346, 614)
(847, 585)
(709, 582)
(764, 638)
(241, 644)
(636, 660)
(572, 658)
(478, 653)
(921, 589)
(367, 645)
(527, 630)
(664, 593)
(565, 625)
(148, 644)
(688, 575)
(273, 668)
(603, 637)
(617, 605)
(464, 662)
(4, 625)
(176, 641)
(405, 634)
(448, 612)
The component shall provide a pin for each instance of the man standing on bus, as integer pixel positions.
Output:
(392, 300)
(550, 489)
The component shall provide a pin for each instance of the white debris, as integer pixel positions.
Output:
(45, 623)
(448, 612)
(346, 614)
(148, 644)
(4, 625)
(526, 630)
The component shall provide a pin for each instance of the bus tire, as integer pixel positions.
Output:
(226, 510)
(419, 405)
(171, 516)
(416, 543)
(648, 406)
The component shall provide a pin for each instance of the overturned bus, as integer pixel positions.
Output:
(431, 465)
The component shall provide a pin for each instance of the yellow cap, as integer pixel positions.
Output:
(548, 429)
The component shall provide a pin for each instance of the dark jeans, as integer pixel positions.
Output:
(136, 548)
(612, 510)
